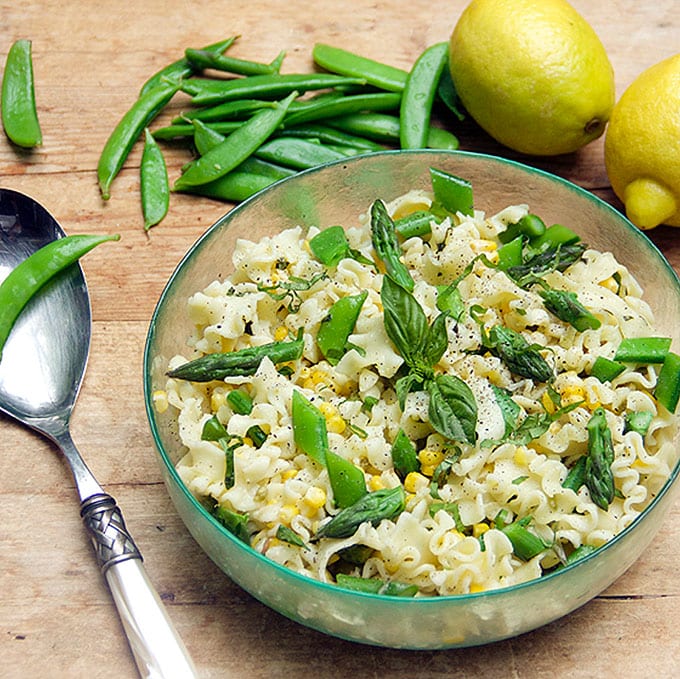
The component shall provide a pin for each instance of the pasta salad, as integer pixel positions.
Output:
(430, 401)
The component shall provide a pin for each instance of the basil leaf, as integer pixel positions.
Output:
(288, 535)
(386, 244)
(412, 381)
(509, 409)
(404, 319)
(452, 409)
(436, 341)
(404, 457)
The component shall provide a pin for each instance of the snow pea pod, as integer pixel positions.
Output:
(182, 68)
(234, 186)
(238, 146)
(206, 91)
(346, 63)
(180, 130)
(154, 187)
(126, 133)
(201, 59)
(229, 110)
(383, 127)
(338, 325)
(338, 106)
(419, 94)
(19, 115)
(28, 277)
(329, 135)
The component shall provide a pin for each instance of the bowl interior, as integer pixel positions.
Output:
(338, 194)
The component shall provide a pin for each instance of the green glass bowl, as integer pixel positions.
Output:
(337, 194)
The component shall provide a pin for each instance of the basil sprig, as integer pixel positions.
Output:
(386, 245)
(452, 407)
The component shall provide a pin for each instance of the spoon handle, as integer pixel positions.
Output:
(157, 648)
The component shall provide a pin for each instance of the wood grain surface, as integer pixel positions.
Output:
(56, 616)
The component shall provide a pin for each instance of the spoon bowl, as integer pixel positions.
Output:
(41, 369)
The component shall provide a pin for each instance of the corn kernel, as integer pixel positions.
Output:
(520, 457)
(315, 498)
(280, 333)
(479, 529)
(289, 474)
(336, 425)
(328, 409)
(413, 480)
(247, 441)
(376, 482)
(160, 400)
(476, 587)
(428, 470)
(494, 377)
(217, 400)
(431, 458)
(479, 246)
(610, 283)
(319, 376)
(287, 513)
(548, 403)
(309, 384)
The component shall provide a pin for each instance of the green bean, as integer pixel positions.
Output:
(329, 135)
(299, 154)
(667, 390)
(240, 402)
(605, 369)
(292, 153)
(205, 91)
(375, 586)
(29, 276)
(638, 421)
(419, 94)
(154, 185)
(182, 68)
(347, 480)
(529, 226)
(643, 350)
(180, 130)
(446, 91)
(372, 507)
(243, 362)
(225, 111)
(383, 127)
(234, 187)
(330, 108)
(19, 114)
(128, 130)
(338, 325)
(201, 59)
(416, 224)
(309, 428)
(452, 193)
(236, 147)
(346, 63)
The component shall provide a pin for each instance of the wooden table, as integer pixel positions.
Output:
(56, 615)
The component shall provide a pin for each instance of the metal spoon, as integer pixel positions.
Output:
(42, 366)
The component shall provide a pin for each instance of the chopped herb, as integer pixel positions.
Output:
(290, 290)
(288, 535)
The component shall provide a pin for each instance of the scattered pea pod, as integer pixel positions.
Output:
(28, 277)
(182, 68)
(154, 186)
(19, 114)
(201, 59)
(419, 95)
(235, 148)
(128, 130)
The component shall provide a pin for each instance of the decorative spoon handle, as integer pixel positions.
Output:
(157, 648)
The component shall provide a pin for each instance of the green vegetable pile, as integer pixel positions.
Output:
(257, 125)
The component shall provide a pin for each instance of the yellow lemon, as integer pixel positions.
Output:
(534, 75)
(642, 146)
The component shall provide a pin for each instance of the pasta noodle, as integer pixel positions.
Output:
(451, 535)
